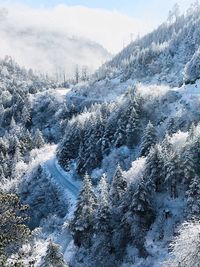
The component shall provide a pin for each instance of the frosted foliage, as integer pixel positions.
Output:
(186, 246)
(179, 139)
(103, 191)
(135, 173)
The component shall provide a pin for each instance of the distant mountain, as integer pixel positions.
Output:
(51, 51)
(169, 55)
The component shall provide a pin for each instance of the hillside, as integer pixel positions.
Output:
(105, 173)
(169, 55)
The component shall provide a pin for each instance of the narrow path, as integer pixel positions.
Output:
(60, 178)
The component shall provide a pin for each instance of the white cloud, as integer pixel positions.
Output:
(109, 28)
(39, 38)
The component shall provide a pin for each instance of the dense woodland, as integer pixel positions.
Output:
(136, 156)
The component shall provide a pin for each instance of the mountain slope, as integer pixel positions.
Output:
(169, 55)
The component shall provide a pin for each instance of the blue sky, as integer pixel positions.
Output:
(96, 20)
(157, 9)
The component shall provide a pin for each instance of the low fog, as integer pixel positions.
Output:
(56, 40)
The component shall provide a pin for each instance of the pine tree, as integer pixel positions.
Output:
(68, 149)
(153, 174)
(27, 140)
(148, 140)
(191, 133)
(185, 248)
(17, 156)
(132, 129)
(174, 174)
(93, 155)
(189, 166)
(172, 126)
(12, 124)
(26, 116)
(138, 215)
(53, 257)
(38, 139)
(118, 186)
(13, 231)
(83, 222)
(103, 212)
(193, 196)
(81, 159)
(120, 135)
(166, 145)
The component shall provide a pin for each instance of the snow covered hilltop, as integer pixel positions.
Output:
(105, 172)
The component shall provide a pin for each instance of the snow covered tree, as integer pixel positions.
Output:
(103, 211)
(120, 134)
(191, 133)
(148, 140)
(153, 173)
(53, 257)
(93, 155)
(185, 248)
(132, 129)
(12, 124)
(189, 165)
(137, 215)
(82, 225)
(101, 243)
(193, 196)
(26, 116)
(81, 159)
(174, 174)
(172, 126)
(27, 141)
(13, 229)
(16, 158)
(118, 186)
(192, 68)
(38, 139)
(167, 145)
(69, 147)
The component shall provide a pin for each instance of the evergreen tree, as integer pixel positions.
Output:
(103, 212)
(153, 174)
(26, 116)
(193, 196)
(12, 124)
(191, 133)
(118, 186)
(132, 129)
(17, 158)
(189, 165)
(93, 156)
(138, 215)
(166, 145)
(13, 229)
(38, 139)
(174, 174)
(148, 140)
(101, 251)
(27, 140)
(81, 159)
(53, 257)
(83, 222)
(69, 147)
(172, 126)
(120, 135)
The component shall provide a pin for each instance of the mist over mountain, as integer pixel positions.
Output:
(103, 171)
(48, 50)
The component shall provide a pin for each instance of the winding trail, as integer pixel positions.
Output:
(61, 179)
